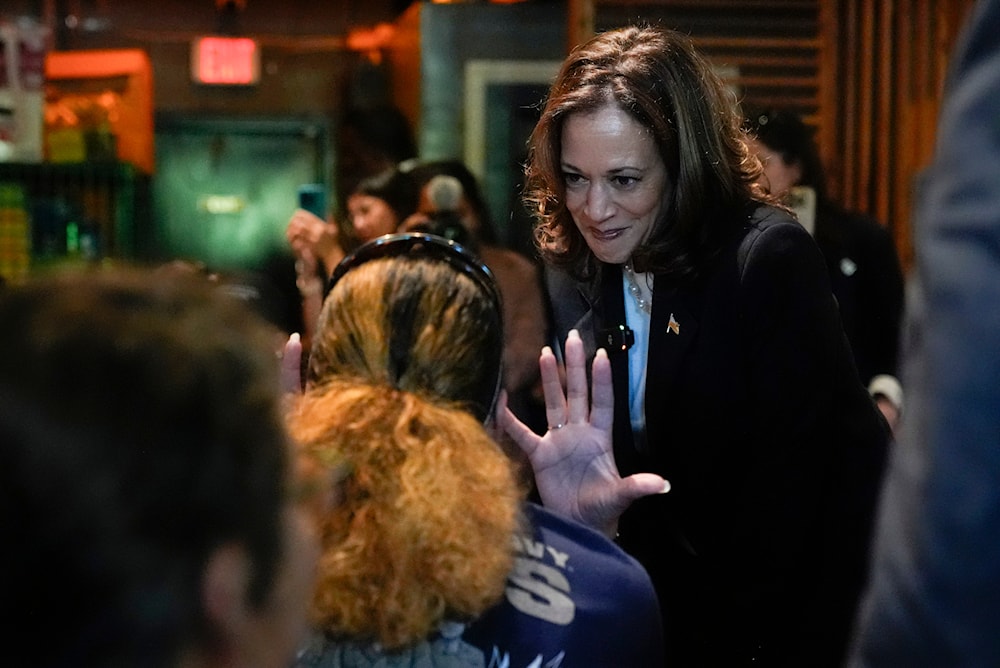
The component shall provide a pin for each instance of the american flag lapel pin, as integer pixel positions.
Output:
(673, 325)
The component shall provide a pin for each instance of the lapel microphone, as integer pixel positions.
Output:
(619, 338)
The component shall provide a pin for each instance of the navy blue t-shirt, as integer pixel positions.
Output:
(573, 598)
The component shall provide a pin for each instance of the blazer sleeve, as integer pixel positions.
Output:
(820, 442)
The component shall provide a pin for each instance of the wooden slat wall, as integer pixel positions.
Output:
(882, 68)
(772, 45)
(867, 74)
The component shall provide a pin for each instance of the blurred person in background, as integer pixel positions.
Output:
(377, 205)
(861, 258)
(934, 597)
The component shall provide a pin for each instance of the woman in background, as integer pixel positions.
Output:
(376, 206)
(861, 258)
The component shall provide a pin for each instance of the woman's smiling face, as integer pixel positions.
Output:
(616, 182)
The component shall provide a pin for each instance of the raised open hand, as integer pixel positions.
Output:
(573, 461)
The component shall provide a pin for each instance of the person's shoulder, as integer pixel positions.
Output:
(769, 229)
(764, 217)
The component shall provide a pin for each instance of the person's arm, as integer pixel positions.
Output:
(934, 598)
(310, 283)
(810, 483)
(316, 246)
(573, 462)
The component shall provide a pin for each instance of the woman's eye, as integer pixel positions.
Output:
(624, 181)
(571, 178)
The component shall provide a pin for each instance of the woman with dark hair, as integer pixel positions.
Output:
(731, 374)
(377, 205)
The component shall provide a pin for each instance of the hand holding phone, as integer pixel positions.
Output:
(312, 198)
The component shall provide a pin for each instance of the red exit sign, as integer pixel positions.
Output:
(225, 61)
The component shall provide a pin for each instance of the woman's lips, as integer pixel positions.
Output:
(607, 235)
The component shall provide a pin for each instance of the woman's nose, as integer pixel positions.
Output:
(598, 204)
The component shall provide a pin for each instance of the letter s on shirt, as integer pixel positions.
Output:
(541, 591)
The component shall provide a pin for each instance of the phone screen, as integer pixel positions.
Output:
(312, 198)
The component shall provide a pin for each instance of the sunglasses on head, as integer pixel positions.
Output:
(437, 249)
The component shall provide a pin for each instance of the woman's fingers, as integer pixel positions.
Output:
(639, 485)
(291, 365)
(602, 409)
(577, 396)
(555, 399)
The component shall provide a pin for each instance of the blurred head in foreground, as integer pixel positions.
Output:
(144, 477)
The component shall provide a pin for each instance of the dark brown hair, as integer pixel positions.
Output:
(657, 77)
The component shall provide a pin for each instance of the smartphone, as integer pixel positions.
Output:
(312, 198)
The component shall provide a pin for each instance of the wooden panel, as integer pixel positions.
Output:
(768, 50)
(879, 132)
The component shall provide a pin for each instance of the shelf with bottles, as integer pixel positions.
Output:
(73, 211)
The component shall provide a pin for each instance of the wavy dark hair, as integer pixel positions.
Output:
(657, 77)
(395, 187)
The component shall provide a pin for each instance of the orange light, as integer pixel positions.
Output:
(225, 61)
(371, 41)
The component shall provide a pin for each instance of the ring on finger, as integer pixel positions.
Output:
(553, 427)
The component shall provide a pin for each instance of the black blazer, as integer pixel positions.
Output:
(756, 414)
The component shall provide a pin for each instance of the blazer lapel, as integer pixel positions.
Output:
(573, 305)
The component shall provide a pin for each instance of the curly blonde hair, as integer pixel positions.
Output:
(427, 508)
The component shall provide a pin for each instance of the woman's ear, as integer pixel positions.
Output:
(225, 599)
